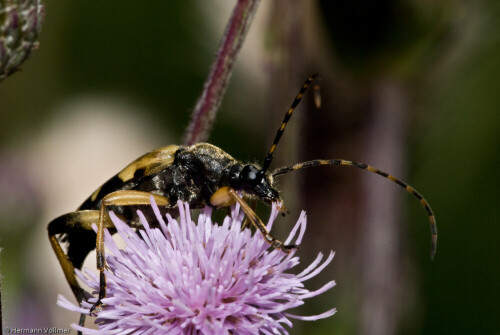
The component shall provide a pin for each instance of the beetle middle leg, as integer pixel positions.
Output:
(118, 198)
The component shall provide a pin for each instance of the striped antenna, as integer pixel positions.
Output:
(342, 162)
(281, 129)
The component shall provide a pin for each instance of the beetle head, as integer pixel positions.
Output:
(255, 181)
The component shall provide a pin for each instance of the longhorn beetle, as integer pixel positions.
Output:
(202, 175)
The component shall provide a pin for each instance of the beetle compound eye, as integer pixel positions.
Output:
(249, 174)
(251, 178)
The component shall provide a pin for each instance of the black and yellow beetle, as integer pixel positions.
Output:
(202, 175)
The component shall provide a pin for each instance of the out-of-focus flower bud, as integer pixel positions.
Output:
(20, 25)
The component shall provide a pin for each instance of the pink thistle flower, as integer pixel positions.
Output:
(187, 278)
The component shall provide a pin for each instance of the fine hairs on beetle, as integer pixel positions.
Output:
(201, 175)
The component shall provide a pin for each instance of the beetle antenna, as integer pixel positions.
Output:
(342, 162)
(317, 100)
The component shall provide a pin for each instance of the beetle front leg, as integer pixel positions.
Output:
(227, 196)
(257, 222)
(246, 222)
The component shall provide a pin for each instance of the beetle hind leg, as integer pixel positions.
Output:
(74, 226)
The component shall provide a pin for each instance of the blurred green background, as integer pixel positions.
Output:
(408, 86)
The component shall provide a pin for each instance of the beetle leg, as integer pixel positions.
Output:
(246, 222)
(258, 224)
(118, 198)
(63, 225)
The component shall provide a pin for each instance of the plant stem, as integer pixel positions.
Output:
(215, 86)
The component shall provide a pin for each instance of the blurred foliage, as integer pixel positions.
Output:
(461, 286)
(386, 37)
(138, 54)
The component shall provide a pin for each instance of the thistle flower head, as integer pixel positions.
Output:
(187, 278)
